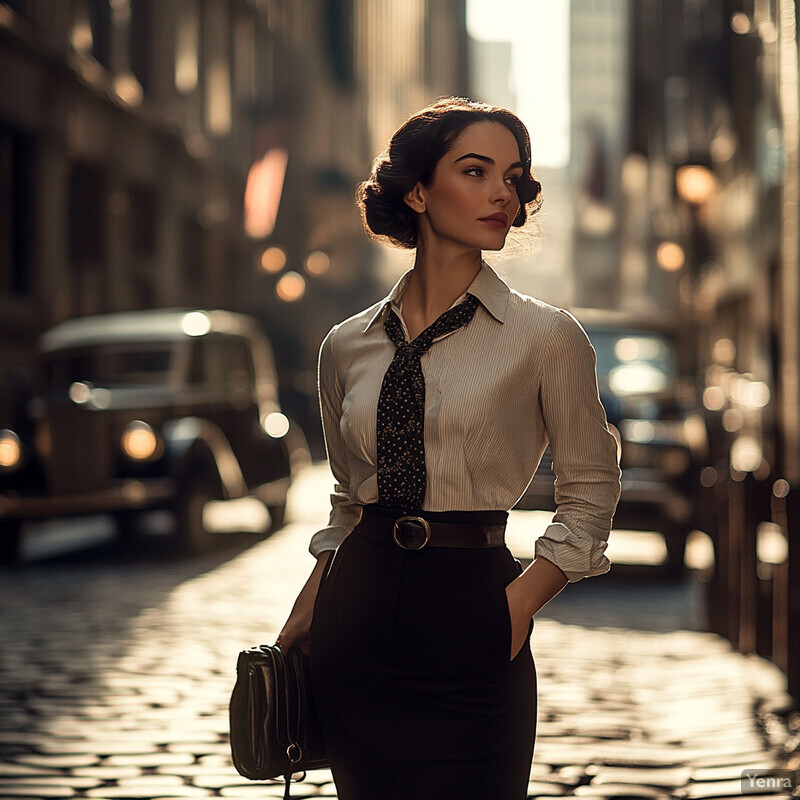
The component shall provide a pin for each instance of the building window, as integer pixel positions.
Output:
(16, 211)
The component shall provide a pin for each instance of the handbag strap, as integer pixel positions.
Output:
(294, 751)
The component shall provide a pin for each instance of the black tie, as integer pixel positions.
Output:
(401, 410)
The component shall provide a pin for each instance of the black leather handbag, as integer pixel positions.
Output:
(274, 728)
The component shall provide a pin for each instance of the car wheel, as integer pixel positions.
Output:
(10, 539)
(201, 486)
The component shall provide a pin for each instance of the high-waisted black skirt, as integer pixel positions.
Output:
(412, 676)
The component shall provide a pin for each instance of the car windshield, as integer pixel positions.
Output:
(633, 362)
(108, 366)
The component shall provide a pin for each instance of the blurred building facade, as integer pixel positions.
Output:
(599, 103)
(714, 159)
(197, 152)
(490, 69)
(681, 208)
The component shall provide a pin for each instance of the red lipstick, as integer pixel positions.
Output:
(499, 220)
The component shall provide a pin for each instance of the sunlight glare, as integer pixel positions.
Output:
(539, 34)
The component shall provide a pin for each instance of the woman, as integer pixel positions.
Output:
(437, 404)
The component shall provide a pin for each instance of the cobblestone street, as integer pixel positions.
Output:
(116, 681)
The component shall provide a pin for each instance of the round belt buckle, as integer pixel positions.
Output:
(414, 531)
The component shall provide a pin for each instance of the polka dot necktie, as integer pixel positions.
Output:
(401, 410)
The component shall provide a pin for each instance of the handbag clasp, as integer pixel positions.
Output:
(294, 752)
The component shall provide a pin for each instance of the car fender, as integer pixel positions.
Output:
(193, 439)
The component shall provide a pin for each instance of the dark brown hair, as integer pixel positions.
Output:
(411, 156)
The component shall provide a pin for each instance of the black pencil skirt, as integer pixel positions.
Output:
(412, 676)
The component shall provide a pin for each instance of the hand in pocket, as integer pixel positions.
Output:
(518, 610)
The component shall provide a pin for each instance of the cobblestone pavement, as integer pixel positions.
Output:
(115, 684)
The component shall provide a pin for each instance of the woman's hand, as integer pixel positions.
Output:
(520, 613)
(296, 631)
(527, 594)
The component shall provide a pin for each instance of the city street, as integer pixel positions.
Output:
(195, 194)
(116, 672)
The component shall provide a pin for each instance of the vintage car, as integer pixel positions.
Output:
(164, 409)
(660, 432)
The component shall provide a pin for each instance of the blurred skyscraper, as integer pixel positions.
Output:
(490, 65)
(599, 68)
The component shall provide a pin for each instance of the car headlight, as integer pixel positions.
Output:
(139, 441)
(10, 450)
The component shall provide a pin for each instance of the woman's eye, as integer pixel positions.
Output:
(513, 180)
(473, 171)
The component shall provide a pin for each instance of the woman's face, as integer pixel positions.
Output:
(472, 200)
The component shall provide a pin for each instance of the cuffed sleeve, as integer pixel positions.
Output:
(585, 460)
(345, 514)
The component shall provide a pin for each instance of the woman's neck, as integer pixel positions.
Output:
(436, 282)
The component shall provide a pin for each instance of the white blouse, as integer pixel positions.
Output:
(519, 375)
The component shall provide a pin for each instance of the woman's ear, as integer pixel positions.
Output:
(415, 199)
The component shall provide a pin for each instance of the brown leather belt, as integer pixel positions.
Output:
(413, 532)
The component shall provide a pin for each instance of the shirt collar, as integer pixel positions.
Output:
(492, 291)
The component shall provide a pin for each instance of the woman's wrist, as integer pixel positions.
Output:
(540, 583)
(319, 568)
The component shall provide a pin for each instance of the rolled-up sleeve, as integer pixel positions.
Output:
(345, 514)
(584, 452)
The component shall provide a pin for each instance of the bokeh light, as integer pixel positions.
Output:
(273, 260)
(746, 454)
(196, 323)
(714, 398)
(291, 287)
(276, 424)
(317, 263)
(740, 23)
(139, 441)
(695, 183)
(724, 351)
(670, 256)
(10, 449)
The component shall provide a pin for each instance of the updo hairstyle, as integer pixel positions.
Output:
(412, 155)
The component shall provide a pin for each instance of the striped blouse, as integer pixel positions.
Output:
(519, 375)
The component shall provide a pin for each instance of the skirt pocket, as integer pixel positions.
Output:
(323, 584)
(516, 571)
(504, 619)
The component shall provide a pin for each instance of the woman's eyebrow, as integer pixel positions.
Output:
(486, 160)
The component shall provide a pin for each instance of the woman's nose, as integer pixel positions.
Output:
(501, 192)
